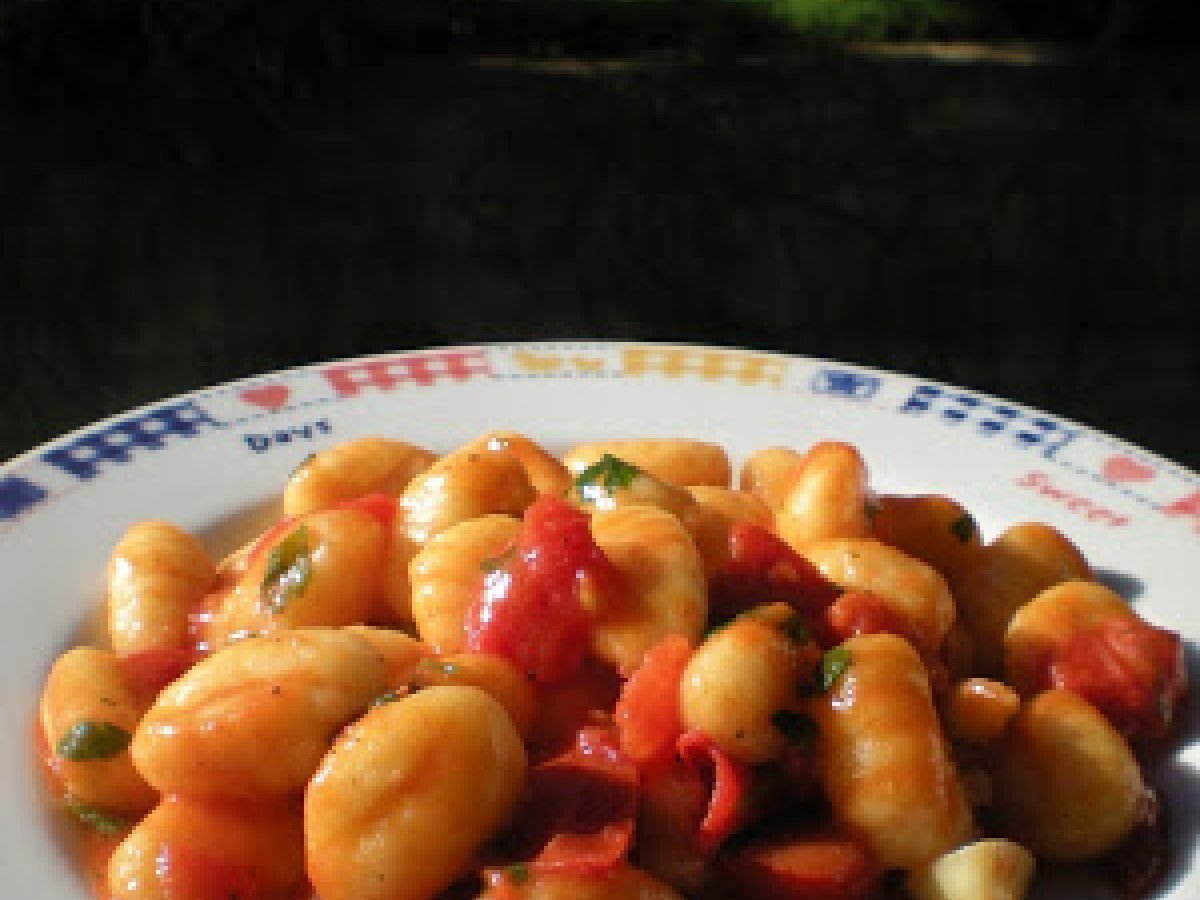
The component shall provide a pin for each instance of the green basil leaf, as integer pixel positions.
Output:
(833, 664)
(517, 874)
(964, 528)
(289, 569)
(499, 561)
(798, 728)
(385, 698)
(608, 472)
(86, 741)
(98, 819)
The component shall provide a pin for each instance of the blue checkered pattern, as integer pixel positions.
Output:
(954, 407)
(116, 443)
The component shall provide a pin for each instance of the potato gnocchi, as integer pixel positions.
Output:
(628, 672)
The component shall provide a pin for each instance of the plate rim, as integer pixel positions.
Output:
(31, 455)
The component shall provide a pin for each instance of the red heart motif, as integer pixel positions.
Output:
(1122, 468)
(269, 396)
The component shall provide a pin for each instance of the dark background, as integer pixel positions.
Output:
(1026, 226)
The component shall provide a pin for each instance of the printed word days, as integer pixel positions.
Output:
(264, 441)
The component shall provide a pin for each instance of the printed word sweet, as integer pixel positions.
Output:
(1089, 509)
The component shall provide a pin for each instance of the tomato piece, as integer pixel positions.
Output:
(763, 569)
(647, 713)
(530, 610)
(380, 507)
(149, 671)
(191, 874)
(858, 612)
(730, 781)
(821, 866)
(577, 816)
(1131, 671)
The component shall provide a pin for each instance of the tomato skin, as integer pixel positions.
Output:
(530, 610)
(191, 874)
(149, 671)
(380, 507)
(1133, 672)
(730, 784)
(579, 809)
(763, 569)
(821, 866)
(647, 713)
(858, 612)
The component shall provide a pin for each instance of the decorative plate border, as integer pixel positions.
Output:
(254, 409)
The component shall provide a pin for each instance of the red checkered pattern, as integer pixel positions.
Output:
(421, 369)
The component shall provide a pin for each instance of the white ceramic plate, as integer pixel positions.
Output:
(214, 462)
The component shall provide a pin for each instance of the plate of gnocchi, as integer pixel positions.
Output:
(575, 620)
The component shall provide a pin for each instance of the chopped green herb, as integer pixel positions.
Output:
(608, 472)
(85, 741)
(103, 822)
(499, 561)
(289, 569)
(517, 874)
(386, 698)
(798, 728)
(795, 629)
(833, 664)
(437, 666)
(964, 528)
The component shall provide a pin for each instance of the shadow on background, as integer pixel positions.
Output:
(259, 184)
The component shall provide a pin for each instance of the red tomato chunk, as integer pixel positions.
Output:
(1132, 672)
(530, 610)
(802, 867)
(647, 713)
(763, 569)
(578, 813)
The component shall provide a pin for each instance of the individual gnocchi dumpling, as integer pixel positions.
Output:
(936, 530)
(992, 869)
(368, 465)
(674, 460)
(768, 474)
(1066, 783)
(546, 473)
(496, 676)
(88, 715)
(194, 848)
(447, 574)
(740, 679)
(324, 569)
(471, 482)
(623, 883)
(882, 758)
(1008, 573)
(665, 588)
(979, 710)
(408, 794)
(156, 575)
(908, 586)
(825, 498)
(254, 719)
